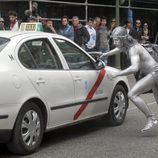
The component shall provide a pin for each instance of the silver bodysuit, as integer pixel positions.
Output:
(141, 61)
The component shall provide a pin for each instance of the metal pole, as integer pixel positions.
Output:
(117, 11)
(83, 4)
(86, 10)
(30, 5)
(129, 3)
(117, 57)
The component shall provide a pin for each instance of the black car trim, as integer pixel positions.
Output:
(77, 103)
(4, 116)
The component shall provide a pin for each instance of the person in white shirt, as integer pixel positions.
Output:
(92, 32)
(128, 26)
(14, 24)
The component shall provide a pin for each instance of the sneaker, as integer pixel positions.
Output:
(150, 124)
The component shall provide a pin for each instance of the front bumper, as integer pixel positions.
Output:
(5, 135)
(8, 114)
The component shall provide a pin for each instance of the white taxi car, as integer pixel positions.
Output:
(47, 82)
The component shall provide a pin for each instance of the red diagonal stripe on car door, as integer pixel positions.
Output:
(90, 94)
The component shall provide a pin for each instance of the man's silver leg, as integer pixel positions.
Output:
(152, 121)
(155, 92)
(144, 85)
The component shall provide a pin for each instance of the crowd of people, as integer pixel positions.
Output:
(94, 36)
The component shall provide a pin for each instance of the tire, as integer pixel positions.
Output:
(28, 130)
(118, 106)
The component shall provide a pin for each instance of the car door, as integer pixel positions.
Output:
(47, 74)
(90, 84)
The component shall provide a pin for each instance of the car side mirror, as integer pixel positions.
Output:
(100, 64)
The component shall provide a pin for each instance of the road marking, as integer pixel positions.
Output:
(152, 103)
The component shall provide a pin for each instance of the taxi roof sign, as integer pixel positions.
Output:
(36, 27)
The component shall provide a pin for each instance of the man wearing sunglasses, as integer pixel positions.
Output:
(136, 32)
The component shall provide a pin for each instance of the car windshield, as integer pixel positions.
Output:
(3, 42)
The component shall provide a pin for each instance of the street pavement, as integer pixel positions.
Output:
(94, 139)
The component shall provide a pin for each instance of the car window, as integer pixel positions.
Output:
(26, 58)
(3, 42)
(40, 53)
(76, 59)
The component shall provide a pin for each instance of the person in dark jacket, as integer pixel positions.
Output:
(48, 27)
(146, 35)
(81, 35)
(112, 59)
(136, 32)
(66, 29)
(128, 26)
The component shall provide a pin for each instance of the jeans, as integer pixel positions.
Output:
(104, 50)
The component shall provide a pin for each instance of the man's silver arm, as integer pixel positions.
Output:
(130, 70)
(112, 52)
(135, 64)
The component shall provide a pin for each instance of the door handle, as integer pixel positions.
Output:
(77, 78)
(40, 80)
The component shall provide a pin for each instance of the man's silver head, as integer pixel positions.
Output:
(119, 34)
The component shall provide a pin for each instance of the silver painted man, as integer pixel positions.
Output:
(141, 61)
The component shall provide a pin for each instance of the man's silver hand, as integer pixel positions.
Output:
(111, 52)
(114, 75)
(103, 55)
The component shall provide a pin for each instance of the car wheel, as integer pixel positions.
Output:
(118, 106)
(28, 130)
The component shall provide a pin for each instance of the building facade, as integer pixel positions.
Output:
(146, 11)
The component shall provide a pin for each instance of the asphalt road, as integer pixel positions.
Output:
(94, 139)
